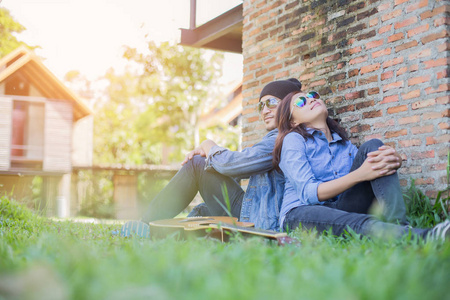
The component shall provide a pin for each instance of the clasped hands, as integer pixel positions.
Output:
(385, 160)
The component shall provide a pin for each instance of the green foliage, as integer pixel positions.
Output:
(8, 28)
(423, 212)
(155, 105)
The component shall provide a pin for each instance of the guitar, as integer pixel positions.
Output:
(221, 228)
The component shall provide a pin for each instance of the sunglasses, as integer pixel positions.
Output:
(271, 103)
(301, 101)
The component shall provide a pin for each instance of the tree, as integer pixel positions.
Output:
(8, 27)
(155, 105)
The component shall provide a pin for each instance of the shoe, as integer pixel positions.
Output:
(135, 228)
(440, 232)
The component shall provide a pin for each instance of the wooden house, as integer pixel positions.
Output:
(45, 129)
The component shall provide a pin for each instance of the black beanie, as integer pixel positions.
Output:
(281, 88)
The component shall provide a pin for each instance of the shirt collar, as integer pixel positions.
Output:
(336, 137)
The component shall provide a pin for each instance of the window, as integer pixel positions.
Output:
(27, 143)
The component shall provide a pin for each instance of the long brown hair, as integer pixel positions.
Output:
(285, 126)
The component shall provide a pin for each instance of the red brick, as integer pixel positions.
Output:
(387, 75)
(443, 100)
(382, 52)
(434, 36)
(411, 94)
(406, 46)
(434, 12)
(391, 134)
(441, 88)
(384, 6)
(418, 80)
(354, 95)
(365, 104)
(393, 62)
(346, 85)
(345, 109)
(423, 103)
(417, 30)
(422, 129)
(444, 125)
(416, 6)
(373, 91)
(410, 143)
(374, 44)
(408, 120)
(360, 128)
(397, 109)
(388, 123)
(372, 114)
(307, 76)
(358, 60)
(398, 2)
(431, 115)
(364, 81)
(420, 54)
(353, 72)
(436, 62)
(424, 181)
(422, 154)
(401, 71)
(441, 21)
(393, 85)
(431, 140)
(389, 99)
(391, 15)
(406, 22)
(411, 170)
(385, 29)
(395, 37)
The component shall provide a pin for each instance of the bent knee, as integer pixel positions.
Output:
(371, 145)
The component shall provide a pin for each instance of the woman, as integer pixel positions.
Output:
(330, 184)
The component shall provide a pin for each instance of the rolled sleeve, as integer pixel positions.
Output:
(249, 161)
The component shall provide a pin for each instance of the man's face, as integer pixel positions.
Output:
(268, 105)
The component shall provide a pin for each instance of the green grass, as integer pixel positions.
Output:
(41, 259)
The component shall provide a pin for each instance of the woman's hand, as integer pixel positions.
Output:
(386, 159)
(370, 170)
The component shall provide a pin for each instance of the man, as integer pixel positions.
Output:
(210, 170)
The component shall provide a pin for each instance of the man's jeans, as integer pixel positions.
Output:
(183, 187)
(352, 207)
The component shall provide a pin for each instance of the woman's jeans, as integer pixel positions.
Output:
(351, 210)
(183, 187)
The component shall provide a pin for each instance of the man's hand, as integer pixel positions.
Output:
(190, 155)
(385, 159)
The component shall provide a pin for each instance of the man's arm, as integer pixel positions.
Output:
(242, 164)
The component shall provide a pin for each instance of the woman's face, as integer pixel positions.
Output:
(307, 108)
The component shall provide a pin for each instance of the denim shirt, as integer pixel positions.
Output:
(306, 163)
(262, 199)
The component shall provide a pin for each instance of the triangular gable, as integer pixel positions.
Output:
(29, 65)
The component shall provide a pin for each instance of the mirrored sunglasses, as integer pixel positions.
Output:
(271, 103)
(301, 101)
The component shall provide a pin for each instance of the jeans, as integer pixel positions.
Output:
(350, 210)
(384, 190)
(183, 187)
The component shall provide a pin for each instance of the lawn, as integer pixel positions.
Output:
(45, 259)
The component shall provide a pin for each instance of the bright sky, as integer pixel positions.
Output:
(88, 35)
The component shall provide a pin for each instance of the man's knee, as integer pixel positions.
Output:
(197, 163)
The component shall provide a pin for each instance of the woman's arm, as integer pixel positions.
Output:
(366, 172)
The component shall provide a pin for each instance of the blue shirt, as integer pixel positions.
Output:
(263, 196)
(306, 163)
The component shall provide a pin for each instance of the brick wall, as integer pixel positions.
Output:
(381, 67)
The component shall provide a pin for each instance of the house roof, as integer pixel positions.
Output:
(222, 33)
(25, 62)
